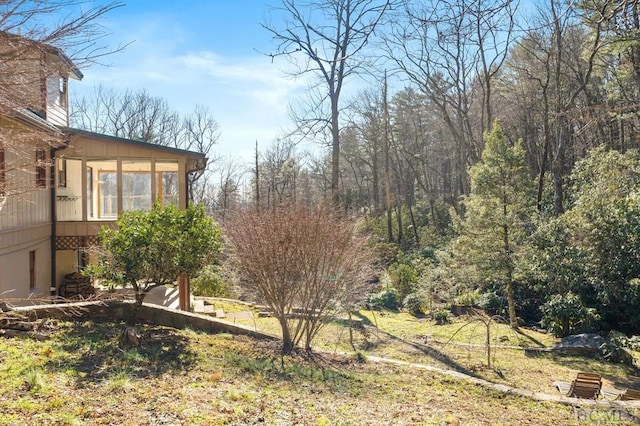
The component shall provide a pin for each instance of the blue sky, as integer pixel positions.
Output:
(207, 52)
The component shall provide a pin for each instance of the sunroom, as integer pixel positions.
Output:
(97, 177)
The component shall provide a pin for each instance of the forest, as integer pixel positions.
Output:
(490, 148)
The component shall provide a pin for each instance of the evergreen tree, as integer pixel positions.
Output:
(497, 216)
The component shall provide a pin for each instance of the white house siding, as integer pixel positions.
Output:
(69, 196)
(23, 75)
(14, 263)
(26, 205)
(25, 226)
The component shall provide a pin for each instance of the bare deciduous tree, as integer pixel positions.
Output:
(452, 50)
(307, 265)
(326, 38)
(280, 168)
(229, 175)
(140, 116)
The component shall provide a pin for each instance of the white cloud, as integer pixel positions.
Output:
(246, 93)
(248, 96)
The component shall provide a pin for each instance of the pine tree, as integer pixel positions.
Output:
(497, 216)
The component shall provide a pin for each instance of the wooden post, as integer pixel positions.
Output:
(184, 292)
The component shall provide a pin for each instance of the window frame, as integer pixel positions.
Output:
(62, 173)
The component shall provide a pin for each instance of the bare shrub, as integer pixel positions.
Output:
(307, 264)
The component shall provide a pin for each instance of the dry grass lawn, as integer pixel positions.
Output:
(182, 377)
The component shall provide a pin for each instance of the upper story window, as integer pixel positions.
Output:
(57, 87)
(62, 85)
(41, 168)
(62, 173)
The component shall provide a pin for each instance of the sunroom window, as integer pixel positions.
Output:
(102, 190)
(167, 182)
(136, 185)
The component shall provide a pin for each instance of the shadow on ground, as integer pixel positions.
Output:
(427, 350)
(95, 354)
(528, 338)
(585, 363)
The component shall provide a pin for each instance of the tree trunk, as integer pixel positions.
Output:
(414, 225)
(375, 185)
(400, 225)
(335, 150)
(136, 308)
(287, 342)
(513, 319)
(353, 346)
(545, 153)
(387, 170)
(488, 341)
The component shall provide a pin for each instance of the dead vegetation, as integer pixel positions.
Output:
(15, 324)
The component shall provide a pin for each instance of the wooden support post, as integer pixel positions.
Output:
(184, 290)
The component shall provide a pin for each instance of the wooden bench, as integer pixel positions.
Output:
(586, 385)
(630, 395)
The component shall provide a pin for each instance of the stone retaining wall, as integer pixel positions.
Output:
(150, 313)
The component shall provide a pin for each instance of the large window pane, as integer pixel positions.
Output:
(102, 190)
(136, 185)
(168, 185)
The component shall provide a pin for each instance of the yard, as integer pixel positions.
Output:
(460, 345)
(81, 376)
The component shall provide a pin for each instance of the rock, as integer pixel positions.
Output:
(616, 354)
(586, 343)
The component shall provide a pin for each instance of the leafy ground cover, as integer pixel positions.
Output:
(81, 376)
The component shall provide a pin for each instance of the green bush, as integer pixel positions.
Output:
(441, 316)
(404, 278)
(468, 298)
(214, 281)
(148, 249)
(621, 340)
(492, 303)
(616, 354)
(414, 303)
(386, 299)
(565, 314)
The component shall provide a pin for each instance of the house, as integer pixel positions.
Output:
(59, 186)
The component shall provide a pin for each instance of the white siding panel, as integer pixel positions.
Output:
(57, 115)
(14, 271)
(14, 275)
(25, 210)
(28, 205)
(69, 198)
